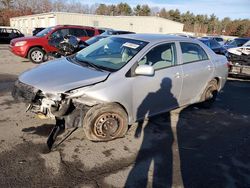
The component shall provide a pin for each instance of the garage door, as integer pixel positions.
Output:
(52, 21)
(42, 21)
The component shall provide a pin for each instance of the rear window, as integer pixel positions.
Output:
(218, 39)
(214, 44)
(78, 32)
(101, 31)
(90, 32)
(192, 52)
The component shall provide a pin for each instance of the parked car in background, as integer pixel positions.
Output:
(219, 39)
(106, 34)
(8, 33)
(236, 43)
(214, 45)
(183, 35)
(35, 48)
(116, 32)
(239, 61)
(37, 30)
(106, 85)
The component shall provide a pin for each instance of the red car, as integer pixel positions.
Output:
(34, 48)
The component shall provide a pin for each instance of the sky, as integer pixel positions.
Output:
(235, 9)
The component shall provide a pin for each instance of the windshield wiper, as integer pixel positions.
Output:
(89, 64)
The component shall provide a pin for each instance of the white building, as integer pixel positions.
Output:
(138, 24)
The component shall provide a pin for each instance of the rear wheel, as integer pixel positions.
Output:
(105, 122)
(36, 55)
(210, 93)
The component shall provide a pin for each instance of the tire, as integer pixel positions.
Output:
(105, 122)
(36, 55)
(210, 93)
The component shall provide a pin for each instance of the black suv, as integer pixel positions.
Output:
(7, 34)
(37, 30)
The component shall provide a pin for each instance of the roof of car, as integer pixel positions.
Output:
(244, 38)
(212, 37)
(206, 39)
(76, 26)
(153, 37)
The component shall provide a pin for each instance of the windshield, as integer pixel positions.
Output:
(111, 53)
(247, 44)
(237, 42)
(94, 39)
(44, 32)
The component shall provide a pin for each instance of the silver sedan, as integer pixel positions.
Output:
(122, 79)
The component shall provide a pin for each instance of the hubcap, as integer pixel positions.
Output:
(107, 125)
(37, 56)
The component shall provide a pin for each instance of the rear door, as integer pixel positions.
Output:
(197, 71)
(79, 33)
(160, 92)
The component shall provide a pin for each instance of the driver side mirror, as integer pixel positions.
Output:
(145, 70)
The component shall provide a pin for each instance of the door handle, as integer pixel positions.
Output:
(209, 67)
(177, 75)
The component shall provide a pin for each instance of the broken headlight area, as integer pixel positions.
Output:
(23, 92)
(46, 105)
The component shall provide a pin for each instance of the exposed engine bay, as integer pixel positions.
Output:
(239, 59)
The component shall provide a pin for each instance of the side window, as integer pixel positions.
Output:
(192, 52)
(219, 39)
(60, 33)
(78, 32)
(90, 32)
(161, 56)
(214, 44)
(101, 31)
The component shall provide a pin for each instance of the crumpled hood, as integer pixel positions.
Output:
(61, 75)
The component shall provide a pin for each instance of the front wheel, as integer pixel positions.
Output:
(105, 122)
(36, 55)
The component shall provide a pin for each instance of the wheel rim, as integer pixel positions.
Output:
(37, 56)
(108, 125)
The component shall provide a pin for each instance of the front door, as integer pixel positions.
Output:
(158, 93)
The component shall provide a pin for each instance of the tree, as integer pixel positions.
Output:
(137, 10)
(123, 9)
(224, 24)
(112, 10)
(7, 4)
(143, 10)
(164, 14)
(175, 15)
(102, 9)
(188, 19)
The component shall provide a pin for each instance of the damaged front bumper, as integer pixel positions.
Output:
(70, 105)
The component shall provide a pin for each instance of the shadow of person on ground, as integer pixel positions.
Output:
(156, 147)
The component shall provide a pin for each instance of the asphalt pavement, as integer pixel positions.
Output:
(188, 147)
